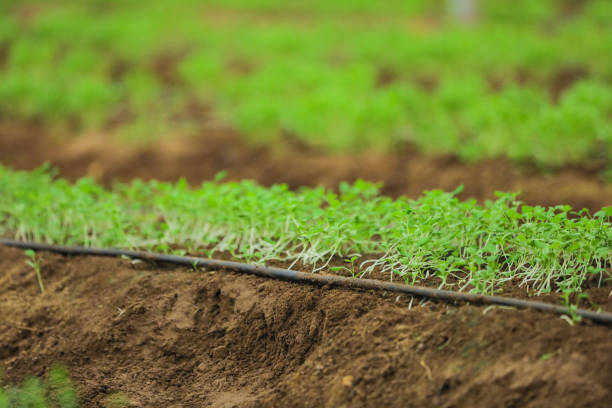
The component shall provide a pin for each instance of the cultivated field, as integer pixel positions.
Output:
(376, 140)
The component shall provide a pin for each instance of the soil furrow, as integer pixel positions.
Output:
(201, 157)
(170, 337)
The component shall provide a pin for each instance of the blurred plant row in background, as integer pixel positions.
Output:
(528, 80)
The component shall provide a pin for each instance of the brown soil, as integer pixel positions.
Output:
(216, 149)
(564, 79)
(170, 337)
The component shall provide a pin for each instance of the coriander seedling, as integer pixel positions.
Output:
(34, 262)
(351, 261)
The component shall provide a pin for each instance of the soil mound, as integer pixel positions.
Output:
(171, 337)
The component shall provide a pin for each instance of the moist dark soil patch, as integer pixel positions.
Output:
(164, 68)
(215, 149)
(170, 337)
(564, 79)
(4, 52)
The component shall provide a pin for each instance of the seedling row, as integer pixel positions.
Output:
(456, 244)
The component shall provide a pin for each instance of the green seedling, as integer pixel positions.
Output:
(117, 400)
(34, 263)
(547, 356)
(55, 391)
(350, 269)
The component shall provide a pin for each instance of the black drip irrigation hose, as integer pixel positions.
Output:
(316, 279)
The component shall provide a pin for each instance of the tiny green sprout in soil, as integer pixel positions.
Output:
(34, 262)
(436, 238)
